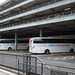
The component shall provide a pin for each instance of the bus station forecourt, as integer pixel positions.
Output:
(41, 27)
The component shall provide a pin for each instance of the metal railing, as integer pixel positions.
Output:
(13, 4)
(10, 60)
(32, 8)
(32, 65)
(48, 17)
(28, 64)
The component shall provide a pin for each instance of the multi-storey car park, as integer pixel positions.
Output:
(33, 18)
(30, 18)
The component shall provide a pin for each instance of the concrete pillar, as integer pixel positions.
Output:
(15, 41)
(41, 34)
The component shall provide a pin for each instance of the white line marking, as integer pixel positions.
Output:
(48, 58)
(72, 57)
(64, 58)
(56, 58)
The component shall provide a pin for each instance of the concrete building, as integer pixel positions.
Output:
(30, 18)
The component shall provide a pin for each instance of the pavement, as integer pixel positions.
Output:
(4, 72)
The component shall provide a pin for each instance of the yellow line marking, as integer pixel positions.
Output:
(63, 54)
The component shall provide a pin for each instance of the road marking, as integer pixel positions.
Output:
(56, 58)
(72, 57)
(48, 58)
(64, 58)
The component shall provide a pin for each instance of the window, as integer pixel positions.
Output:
(54, 40)
(7, 41)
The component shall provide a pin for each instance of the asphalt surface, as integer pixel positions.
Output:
(65, 58)
(59, 62)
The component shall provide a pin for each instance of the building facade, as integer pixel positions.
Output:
(30, 18)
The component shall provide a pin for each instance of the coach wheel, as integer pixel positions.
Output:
(9, 48)
(71, 50)
(47, 51)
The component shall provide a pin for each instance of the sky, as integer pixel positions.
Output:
(1, 1)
